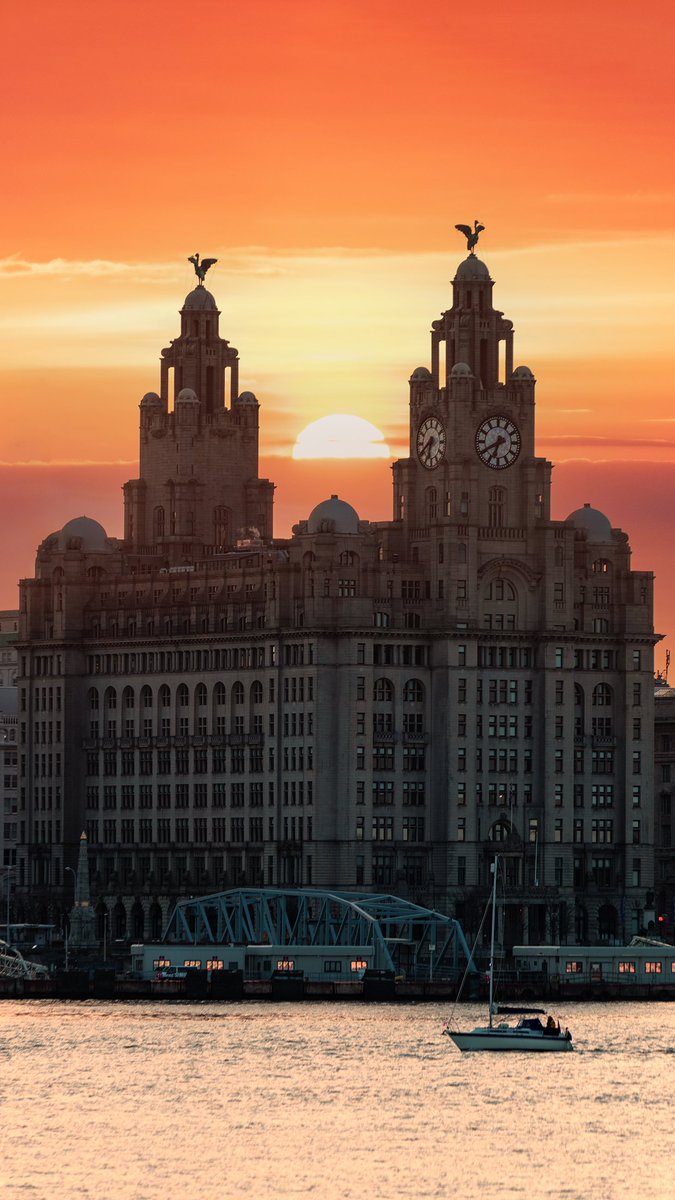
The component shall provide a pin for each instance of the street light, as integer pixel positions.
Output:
(66, 922)
(9, 871)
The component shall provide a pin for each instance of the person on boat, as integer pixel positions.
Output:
(551, 1026)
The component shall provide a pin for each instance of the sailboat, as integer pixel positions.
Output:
(530, 1032)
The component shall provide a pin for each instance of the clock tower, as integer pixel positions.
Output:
(472, 452)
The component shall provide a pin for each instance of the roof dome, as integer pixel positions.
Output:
(461, 368)
(200, 298)
(187, 396)
(471, 268)
(333, 516)
(246, 398)
(420, 373)
(522, 373)
(151, 398)
(92, 535)
(596, 525)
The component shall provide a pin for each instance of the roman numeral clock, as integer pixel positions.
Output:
(498, 442)
(431, 443)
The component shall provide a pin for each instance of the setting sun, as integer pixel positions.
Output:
(341, 435)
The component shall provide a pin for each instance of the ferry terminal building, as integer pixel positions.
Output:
(364, 705)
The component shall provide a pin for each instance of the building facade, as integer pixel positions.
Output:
(9, 830)
(361, 705)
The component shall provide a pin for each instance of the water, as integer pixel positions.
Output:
(335, 1101)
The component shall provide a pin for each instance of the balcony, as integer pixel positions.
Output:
(384, 737)
(415, 739)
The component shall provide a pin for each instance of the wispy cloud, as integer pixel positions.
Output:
(611, 198)
(574, 439)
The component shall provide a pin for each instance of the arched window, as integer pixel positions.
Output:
(92, 697)
(601, 566)
(347, 558)
(221, 526)
(383, 690)
(256, 692)
(500, 832)
(164, 696)
(496, 503)
(158, 522)
(602, 695)
(413, 692)
(431, 503)
(600, 625)
(381, 620)
(238, 693)
(219, 693)
(110, 698)
(461, 552)
(559, 557)
(201, 695)
(183, 695)
(146, 696)
(411, 620)
(128, 699)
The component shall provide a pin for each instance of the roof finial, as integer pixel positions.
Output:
(201, 267)
(470, 234)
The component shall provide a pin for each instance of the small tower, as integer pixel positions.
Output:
(82, 916)
(198, 490)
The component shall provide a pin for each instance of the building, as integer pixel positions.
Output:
(362, 705)
(663, 905)
(9, 829)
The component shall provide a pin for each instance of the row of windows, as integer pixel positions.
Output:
(144, 831)
(199, 761)
(382, 829)
(198, 795)
(295, 688)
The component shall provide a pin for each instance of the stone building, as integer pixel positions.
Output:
(362, 705)
(9, 829)
(664, 789)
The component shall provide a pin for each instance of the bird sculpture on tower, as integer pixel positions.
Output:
(470, 234)
(201, 267)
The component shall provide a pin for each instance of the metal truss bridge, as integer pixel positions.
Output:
(403, 935)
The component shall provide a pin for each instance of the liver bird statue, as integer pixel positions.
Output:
(201, 267)
(470, 234)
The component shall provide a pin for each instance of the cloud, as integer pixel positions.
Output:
(611, 198)
(574, 439)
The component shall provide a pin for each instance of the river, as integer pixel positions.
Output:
(123, 1101)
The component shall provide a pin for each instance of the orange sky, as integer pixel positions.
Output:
(323, 152)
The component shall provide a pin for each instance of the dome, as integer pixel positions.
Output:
(200, 298)
(420, 373)
(472, 268)
(522, 373)
(596, 525)
(150, 399)
(187, 396)
(460, 369)
(333, 516)
(93, 536)
(246, 398)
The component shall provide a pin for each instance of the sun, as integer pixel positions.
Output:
(341, 435)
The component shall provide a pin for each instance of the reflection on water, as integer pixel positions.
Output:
(212, 1102)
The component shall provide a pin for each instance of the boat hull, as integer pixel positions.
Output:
(511, 1039)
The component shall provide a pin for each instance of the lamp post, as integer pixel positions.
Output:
(8, 872)
(66, 916)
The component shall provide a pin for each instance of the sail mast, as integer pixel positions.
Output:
(492, 937)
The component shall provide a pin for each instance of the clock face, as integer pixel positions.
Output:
(498, 442)
(430, 442)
